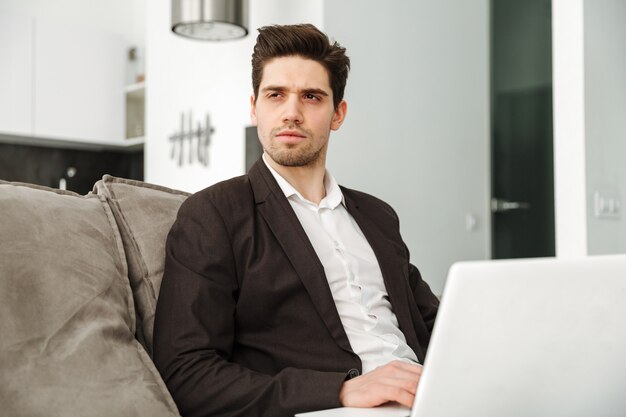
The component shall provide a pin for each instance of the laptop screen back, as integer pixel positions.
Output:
(539, 337)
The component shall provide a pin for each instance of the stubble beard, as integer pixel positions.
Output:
(302, 154)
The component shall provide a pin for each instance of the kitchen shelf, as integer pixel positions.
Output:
(128, 145)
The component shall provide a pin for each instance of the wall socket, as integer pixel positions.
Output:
(607, 205)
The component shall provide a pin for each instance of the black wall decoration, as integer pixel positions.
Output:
(191, 144)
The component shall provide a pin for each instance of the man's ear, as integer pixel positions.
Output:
(253, 110)
(340, 115)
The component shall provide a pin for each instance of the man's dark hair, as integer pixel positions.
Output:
(301, 40)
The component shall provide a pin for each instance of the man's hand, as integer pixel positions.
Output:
(396, 381)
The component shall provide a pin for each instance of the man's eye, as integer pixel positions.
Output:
(273, 95)
(311, 97)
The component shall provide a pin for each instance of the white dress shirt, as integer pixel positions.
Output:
(353, 274)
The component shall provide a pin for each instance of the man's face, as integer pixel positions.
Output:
(294, 111)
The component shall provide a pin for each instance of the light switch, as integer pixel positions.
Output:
(470, 222)
(607, 205)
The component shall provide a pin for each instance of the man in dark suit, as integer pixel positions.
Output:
(284, 292)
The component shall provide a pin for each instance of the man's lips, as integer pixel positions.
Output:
(290, 136)
(291, 133)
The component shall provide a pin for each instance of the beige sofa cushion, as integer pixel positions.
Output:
(144, 214)
(66, 312)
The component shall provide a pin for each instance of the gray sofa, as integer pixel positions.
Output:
(79, 279)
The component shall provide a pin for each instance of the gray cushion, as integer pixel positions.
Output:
(66, 312)
(144, 214)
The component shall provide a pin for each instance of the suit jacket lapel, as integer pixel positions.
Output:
(396, 280)
(284, 223)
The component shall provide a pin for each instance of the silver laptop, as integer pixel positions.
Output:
(529, 338)
(539, 337)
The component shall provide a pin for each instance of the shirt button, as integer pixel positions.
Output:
(353, 373)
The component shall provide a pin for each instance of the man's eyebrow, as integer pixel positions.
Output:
(273, 88)
(317, 91)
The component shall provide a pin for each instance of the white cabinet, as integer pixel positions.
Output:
(61, 81)
(16, 74)
(79, 82)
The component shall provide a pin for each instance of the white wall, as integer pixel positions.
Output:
(569, 128)
(205, 77)
(589, 52)
(605, 118)
(417, 130)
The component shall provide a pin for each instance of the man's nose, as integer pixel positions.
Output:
(292, 111)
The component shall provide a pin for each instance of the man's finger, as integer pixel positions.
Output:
(399, 368)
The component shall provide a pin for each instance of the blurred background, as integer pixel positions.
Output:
(495, 128)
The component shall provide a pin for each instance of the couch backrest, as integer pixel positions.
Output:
(144, 214)
(67, 315)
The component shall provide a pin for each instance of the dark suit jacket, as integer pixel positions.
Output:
(246, 324)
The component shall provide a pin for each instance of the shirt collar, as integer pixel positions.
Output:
(333, 197)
